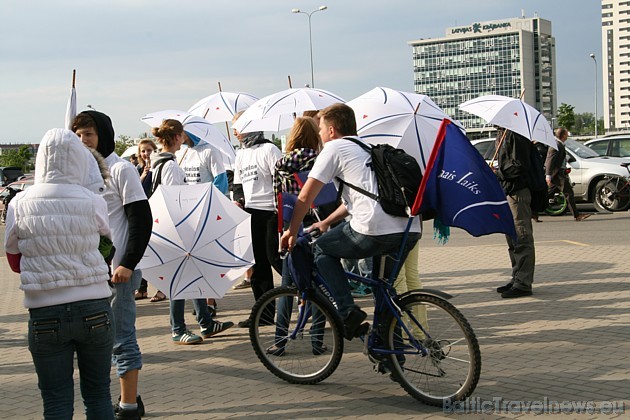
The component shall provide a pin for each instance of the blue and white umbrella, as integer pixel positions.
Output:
(200, 128)
(405, 120)
(200, 243)
(277, 112)
(513, 114)
(222, 106)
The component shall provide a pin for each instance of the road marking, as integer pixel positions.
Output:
(563, 240)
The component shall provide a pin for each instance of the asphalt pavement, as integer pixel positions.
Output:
(565, 348)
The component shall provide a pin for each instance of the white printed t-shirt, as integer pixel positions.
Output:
(348, 161)
(200, 163)
(123, 188)
(254, 169)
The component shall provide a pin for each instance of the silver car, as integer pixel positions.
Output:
(587, 167)
(617, 146)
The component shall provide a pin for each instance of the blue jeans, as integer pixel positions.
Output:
(126, 354)
(285, 308)
(177, 314)
(55, 334)
(343, 242)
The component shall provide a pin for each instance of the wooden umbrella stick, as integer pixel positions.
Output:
(74, 77)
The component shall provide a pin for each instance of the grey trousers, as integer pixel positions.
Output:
(522, 252)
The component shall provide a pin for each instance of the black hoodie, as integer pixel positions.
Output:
(105, 131)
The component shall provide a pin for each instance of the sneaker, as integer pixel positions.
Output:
(361, 291)
(504, 288)
(581, 217)
(353, 324)
(244, 284)
(128, 414)
(215, 328)
(186, 338)
(320, 349)
(275, 350)
(138, 401)
(244, 324)
(515, 293)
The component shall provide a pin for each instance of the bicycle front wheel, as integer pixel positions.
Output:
(438, 357)
(557, 205)
(611, 195)
(299, 341)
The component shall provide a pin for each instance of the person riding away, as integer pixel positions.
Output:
(370, 232)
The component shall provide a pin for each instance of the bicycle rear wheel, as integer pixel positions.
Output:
(611, 195)
(300, 355)
(447, 365)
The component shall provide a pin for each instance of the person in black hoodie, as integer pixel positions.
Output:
(514, 165)
(131, 223)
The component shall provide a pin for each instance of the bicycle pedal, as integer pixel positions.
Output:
(363, 329)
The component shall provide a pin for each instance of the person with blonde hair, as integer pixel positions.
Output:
(167, 172)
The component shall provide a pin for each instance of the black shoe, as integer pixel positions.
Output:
(515, 293)
(353, 324)
(244, 324)
(320, 349)
(138, 401)
(128, 414)
(504, 288)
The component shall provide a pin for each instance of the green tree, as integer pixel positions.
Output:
(566, 116)
(17, 157)
(122, 143)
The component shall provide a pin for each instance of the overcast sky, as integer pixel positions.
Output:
(138, 56)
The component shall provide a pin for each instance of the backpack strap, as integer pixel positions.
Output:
(157, 180)
(354, 187)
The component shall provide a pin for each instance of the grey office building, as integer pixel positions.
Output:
(501, 57)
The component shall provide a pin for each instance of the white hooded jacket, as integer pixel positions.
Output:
(56, 225)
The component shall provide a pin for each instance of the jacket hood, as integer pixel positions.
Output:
(105, 131)
(63, 159)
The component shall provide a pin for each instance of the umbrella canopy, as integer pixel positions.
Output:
(276, 112)
(405, 120)
(129, 151)
(513, 114)
(198, 127)
(200, 243)
(222, 106)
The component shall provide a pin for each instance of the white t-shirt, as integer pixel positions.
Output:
(172, 174)
(123, 188)
(200, 163)
(348, 161)
(254, 168)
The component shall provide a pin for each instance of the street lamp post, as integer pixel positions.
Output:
(595, 60)
(310, 36)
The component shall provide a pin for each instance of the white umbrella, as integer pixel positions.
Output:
(277, 112)
(129, 151)
(405, 120)
(200, 128)
(513, 114)
(200, 244)
(71, 107)
(222, 106)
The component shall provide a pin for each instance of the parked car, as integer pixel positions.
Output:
(8, 192)
(615, 146)
(587, 166)
(8, 174)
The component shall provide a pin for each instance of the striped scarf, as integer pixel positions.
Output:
(297, 160)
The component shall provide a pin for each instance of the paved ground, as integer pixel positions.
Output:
(568, 343)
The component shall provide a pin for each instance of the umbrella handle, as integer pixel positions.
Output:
(496, 152)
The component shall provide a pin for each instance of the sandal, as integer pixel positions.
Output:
(159, 297)
(141, 295)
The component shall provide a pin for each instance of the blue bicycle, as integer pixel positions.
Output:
(418, 338)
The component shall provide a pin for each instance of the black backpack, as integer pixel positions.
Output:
(398, 178)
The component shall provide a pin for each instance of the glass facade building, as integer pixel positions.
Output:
(503, 57)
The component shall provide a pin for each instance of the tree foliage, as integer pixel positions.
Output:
(20, 157)
(122, 143)
(566, 116)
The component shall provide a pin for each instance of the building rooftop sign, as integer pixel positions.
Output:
(479, 28)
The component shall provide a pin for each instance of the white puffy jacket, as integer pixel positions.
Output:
(56, 225)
